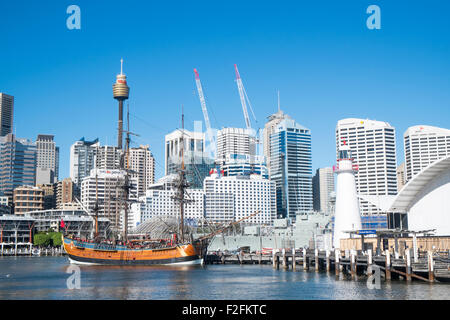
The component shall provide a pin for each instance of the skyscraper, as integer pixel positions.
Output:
(291, 168)
(196, 161)
(82, 159)
(64, 192)
(108, 157)
(106, 186)
(47, 159)
(142, 165)
(323, 186)
(372, 144)
(6, 114)
(401, 177)
(234, 141)
(269, 127)
(17, 164)
(423, 146)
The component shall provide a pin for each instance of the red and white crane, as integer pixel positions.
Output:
(209, 134)
(244, 99)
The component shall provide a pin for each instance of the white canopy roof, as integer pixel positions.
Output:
(408, 193)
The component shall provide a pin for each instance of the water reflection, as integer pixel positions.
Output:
(45, 278)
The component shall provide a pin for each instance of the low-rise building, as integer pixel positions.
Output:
(76, 222)
(16, 232)
(4, 206)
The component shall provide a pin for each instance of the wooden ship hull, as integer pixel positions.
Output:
(81, 252)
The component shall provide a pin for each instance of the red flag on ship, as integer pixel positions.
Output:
(62, 225)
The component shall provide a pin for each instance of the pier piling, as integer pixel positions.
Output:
(337, 255)
(327, 255)
(316, 260)
(430, 266)
(388, 265)
(408, 264)
(369, 258)
(293, 260)
(353, 264)
(305, 260)
(274, 257)
(416, 252)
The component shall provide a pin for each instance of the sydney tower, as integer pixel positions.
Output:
(120, 93)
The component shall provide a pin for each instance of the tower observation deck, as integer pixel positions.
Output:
(120, 93)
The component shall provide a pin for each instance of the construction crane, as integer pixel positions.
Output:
(244, 99)
(209, 134)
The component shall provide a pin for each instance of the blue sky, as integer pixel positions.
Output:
(321, 56)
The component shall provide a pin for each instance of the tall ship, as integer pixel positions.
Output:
(174, 246)
(180, 248)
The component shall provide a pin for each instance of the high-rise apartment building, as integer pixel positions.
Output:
(6, 114)
(234, 141)
(244, 165)
(64, 193)
(47, 160)
(237, 153)
(323, 187)
(107, 186)
(49, 191)
(372, 144)
(291, 168)
(222, 200)
(197, 163)
(82, 159)
(142, 164)
(159, 201)
(28, 198)
(230, 199)
(401, 180)
(269, 128)
(108, 157)
(17, 164)
(423, 146)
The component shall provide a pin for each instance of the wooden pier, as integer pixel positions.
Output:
(423, 266)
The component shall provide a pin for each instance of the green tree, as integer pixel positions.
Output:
(41, 239)
(56, 238)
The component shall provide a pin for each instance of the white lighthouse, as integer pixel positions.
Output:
(347, 216)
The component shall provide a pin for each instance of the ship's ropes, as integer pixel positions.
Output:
(159, 228)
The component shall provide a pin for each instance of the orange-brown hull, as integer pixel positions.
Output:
(91, 253)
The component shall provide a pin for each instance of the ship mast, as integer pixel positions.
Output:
(96, 206)
(182, 179)
(127, 182)
(181, 183)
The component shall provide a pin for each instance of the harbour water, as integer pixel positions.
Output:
(46, 278)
